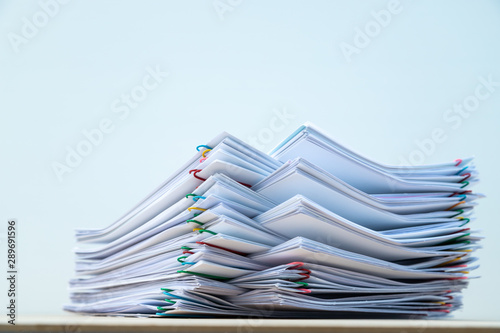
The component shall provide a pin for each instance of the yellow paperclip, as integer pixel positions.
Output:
(455, 205)
(197, 208)
(205, 151)
(449, 262)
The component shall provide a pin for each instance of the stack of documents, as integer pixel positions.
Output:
(311, 230)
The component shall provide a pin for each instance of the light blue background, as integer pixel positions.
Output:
(228, 74)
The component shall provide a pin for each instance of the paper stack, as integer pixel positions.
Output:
(312, 230)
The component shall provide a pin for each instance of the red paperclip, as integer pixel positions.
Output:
(466, 177)
(460, 193)
(307, 271)
(194, 172)
(296, 264)
(306, 276)
(222, 248)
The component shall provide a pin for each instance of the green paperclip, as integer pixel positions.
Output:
(205, 230)
(194, 221)
(205, 275)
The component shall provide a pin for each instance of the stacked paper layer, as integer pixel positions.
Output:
(312, 230)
